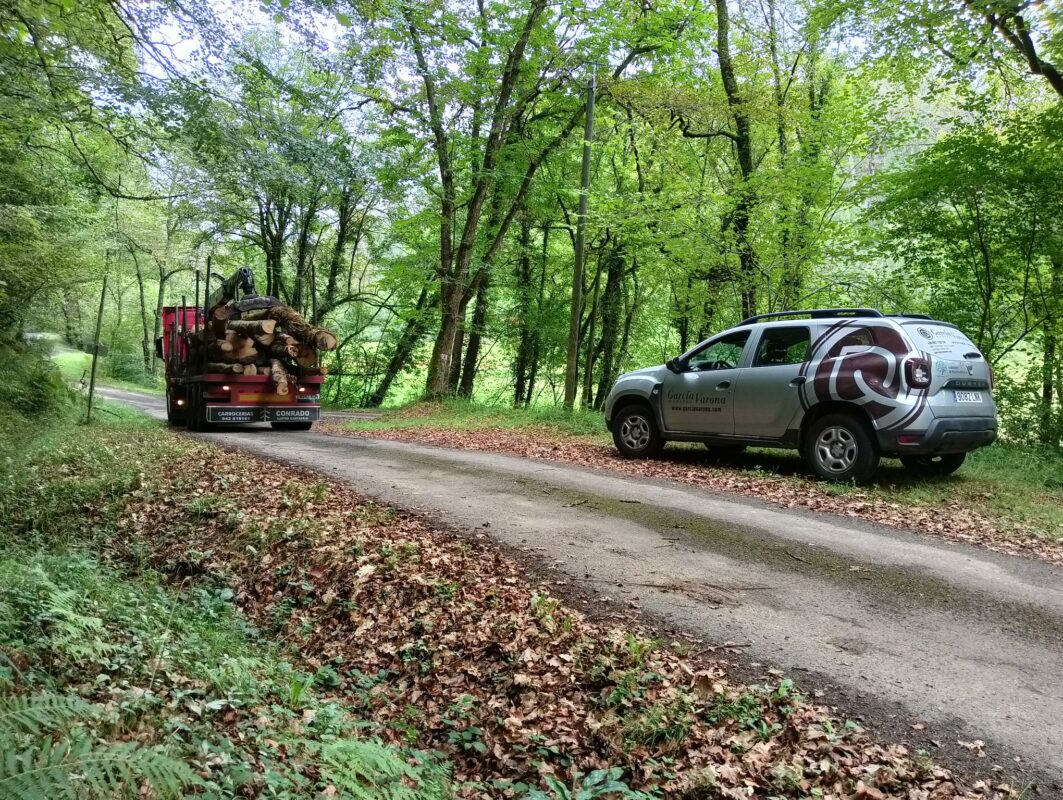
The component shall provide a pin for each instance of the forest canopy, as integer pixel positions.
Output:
(408, 173)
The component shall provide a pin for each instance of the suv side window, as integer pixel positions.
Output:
(781, 346)
(725, 353)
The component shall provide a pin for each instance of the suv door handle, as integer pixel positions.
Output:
(798, 381)
(723, 385)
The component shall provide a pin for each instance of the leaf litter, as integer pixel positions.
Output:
(441, 642)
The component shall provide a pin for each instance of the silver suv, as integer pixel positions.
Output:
(843, 386)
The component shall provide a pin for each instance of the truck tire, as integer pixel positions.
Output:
(301, 425)
(838, 447)
(635, 432)
(197, 410)
(174, 418)
(944, 464)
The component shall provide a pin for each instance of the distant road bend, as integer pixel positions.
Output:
(900, 628)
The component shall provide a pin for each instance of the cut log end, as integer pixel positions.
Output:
(279, 375)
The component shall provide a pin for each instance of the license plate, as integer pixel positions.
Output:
(968, 397)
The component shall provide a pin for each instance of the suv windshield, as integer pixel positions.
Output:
(940, 340)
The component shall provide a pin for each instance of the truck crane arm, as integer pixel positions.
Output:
(242, 281)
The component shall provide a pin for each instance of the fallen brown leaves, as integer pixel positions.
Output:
(952, 520)
(443, 643)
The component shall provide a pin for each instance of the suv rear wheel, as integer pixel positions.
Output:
(635, 433)
(839, 448)
(944, 464)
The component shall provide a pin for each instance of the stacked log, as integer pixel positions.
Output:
(268, 338)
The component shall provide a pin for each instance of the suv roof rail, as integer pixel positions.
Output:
(906, 315)
(816, 313)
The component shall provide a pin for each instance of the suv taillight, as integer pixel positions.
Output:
(992, 376)
(917, 371)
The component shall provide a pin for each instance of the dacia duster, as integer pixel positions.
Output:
(845, 387)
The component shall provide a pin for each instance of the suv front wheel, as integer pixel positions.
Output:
(839, 448)
(635, 433)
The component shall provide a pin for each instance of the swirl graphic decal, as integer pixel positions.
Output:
(860, 363)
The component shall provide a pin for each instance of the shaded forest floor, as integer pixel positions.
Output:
(278, 634)
(1005, 498)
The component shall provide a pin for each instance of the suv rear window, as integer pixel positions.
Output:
(940, 340)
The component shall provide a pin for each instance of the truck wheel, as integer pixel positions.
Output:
(197, 411)
(944, 464)
(174, 418)
(291, 426)
(635, 433)
(838, 447)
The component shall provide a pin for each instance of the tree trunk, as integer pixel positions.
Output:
(455, 354)
(537, 336)
(302, 243)
(614, 283)
(408, 341)
(472, 353)
(343, 215)
(743, 140)
(524, 334)
(71, 319)
(1049, 430)
(439, 367)
(145, 342)
(589, 358)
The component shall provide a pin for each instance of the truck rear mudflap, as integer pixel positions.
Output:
(230, 413)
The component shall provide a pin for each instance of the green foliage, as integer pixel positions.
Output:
(111, 682)
(368, 770)
(601, 783)
(32, 389)
(74, 767)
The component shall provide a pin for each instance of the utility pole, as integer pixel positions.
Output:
(96, 350)
(572, 374)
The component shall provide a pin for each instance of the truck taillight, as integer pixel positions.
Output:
(917, 371)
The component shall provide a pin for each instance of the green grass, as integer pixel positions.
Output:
(75, 366)
(468, 415)
(1015, 483)
(105, 660)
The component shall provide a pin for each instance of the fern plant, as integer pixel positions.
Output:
(597, 785)
(368, 770)
(36, 764)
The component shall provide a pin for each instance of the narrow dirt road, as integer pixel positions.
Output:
(904, 630)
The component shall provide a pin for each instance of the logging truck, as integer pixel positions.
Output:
(240, 357)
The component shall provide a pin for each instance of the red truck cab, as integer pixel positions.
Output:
(201, 400)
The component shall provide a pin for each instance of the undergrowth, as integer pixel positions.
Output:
(117, 681)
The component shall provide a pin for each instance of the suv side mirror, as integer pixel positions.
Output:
(673, 365)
